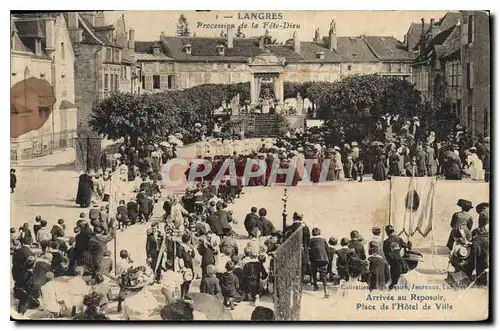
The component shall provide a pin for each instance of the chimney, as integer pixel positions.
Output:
(296, 43)
(72, 20)
(49, 34)
(131, 39)
(332, 42)
(100, 19)
(230, 37)
(432, 22)
(89, 16)
(261, 42)
(422, 32)
(317, 37)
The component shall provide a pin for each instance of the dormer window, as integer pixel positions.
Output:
(220, 49)
(320, 55)
(187, 48)
(156, 50)
(38, 47)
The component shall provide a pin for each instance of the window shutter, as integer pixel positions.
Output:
(470, 75)
(470, 30)
(163, 82)
(149, 83)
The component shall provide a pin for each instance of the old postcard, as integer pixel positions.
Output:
(250, 165)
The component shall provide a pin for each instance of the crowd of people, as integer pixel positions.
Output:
(196, 240)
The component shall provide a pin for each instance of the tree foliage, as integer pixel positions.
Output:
(182, 27)
(153, 117)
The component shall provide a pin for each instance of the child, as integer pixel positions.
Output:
(253, 272)
(230, 284)
(343, 256)
(210, 283)
(123, 264)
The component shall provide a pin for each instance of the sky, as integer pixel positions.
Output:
(148, 25)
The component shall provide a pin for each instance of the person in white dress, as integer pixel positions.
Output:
(475, 164)
(51, 299)
(78, 288)
(140, 303)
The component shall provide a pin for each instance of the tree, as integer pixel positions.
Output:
(182, 27)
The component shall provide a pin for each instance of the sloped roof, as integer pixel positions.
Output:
(438, 40)
(414, 33)
(203, 48)
(388, 48)
(349, 49)
(452, 44)
(96, 36)
(449, 20)
(151, 57)
(30, 28)
(65, 104)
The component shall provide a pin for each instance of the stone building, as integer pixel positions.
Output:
(476, 67)
(452, 54)
(183, 62)
(104, 61)
(43, 111)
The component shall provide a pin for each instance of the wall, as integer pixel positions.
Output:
(64, 78)
(196, 73)
(479, 54)
(86, 80)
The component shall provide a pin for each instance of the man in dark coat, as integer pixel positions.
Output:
(37, 226)
(265, 226)
(478, 263)
(356, 245)
(122, 215)
(391, 237)
(461, 223)
(306, 238)
(215, 225)
(143, 203)
(318, 255)
(85, 188)
(133, 211)
(154, 242)
(251, 220)
(379, 273)
(13, 180)
(19, 261)
(421, 158)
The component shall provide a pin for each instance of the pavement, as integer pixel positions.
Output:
(47, 187)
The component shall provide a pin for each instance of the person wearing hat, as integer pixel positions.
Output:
(475, 164)
(410, 260)
(84, 192)
(139, 302)
(461, 223)
(478, 263)
(356, 245)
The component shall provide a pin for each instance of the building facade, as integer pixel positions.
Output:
(476, 68)
(183, 62)
(43, 111)
(104, 61)
(453, 68)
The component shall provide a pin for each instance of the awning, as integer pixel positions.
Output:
(65, 104)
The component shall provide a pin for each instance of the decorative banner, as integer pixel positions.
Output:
(412, 205)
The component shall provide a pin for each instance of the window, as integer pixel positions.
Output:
(470, 30)
(111, 83)
(108, 54)
(43, 112)
(470, 75)
(116, 57)
(38, 46)
(349, 67)
(459, 109)
(470, 114)
(156, 81)
(143, 81)
(486, 122)
(106, 82)
(389, 67)
(62, 51)
(170, 83)
(117, 86)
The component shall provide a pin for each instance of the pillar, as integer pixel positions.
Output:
(253, 97)
(280, 90)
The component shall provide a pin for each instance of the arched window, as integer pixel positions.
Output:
(27, 72)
